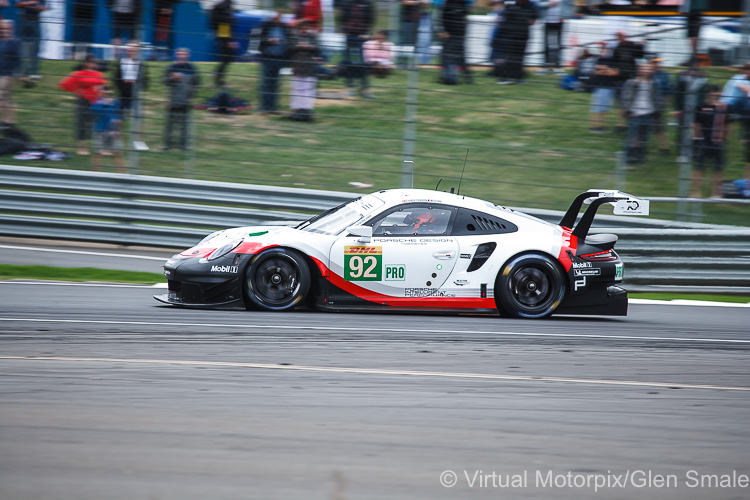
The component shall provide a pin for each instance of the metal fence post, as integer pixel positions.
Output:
(695, 82)
(410, 123)
(620, 171)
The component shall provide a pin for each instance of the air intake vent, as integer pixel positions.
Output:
(488, 225)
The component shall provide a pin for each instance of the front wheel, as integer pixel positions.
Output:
(277, 280)
(530, 286)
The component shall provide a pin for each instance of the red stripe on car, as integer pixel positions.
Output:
(569, 242)
(412, 302)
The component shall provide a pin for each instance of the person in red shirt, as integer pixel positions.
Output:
(86, 83)
(310, 11)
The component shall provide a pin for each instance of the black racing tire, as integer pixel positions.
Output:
(530, 286)
(277, 279)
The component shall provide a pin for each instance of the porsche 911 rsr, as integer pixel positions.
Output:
(417, 250)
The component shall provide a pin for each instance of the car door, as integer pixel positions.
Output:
(411, 253)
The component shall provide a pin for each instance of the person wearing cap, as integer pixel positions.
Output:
(664, 83)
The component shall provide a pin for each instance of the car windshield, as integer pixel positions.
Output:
(338, 218)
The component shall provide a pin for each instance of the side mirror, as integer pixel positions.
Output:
(364, 233)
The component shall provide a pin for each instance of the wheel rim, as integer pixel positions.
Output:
(276, 281)
(531, 287)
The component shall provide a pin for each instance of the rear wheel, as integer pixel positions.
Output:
(277, 280)
(530, 286)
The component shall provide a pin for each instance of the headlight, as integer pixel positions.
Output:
(221, 252)
(209, 237)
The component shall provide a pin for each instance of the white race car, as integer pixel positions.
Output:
(412, 249)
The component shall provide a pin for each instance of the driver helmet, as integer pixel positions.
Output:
(424, 217)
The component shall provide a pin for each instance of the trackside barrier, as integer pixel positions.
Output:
(176, 213)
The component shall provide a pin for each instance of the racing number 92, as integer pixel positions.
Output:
(363, 263)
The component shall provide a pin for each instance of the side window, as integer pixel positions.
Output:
(415, 220)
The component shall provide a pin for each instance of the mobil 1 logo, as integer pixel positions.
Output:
(395, 272)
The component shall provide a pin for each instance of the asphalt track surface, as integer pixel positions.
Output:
(105, 393)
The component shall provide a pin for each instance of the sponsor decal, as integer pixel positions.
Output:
(466, 256)
(461, 282)
(580, 265)
(588, 272)
(618, 271)
(224, 269)
(580, 283)
(426, 292)
(363, 263)
(396, 272)
(261, 233)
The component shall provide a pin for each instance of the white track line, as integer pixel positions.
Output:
(84, 252)
(372, 330)
(376, 371)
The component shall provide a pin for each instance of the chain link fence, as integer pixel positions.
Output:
(529, 143)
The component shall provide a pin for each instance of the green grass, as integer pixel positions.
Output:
(78, 274)
(529, 144)
(739, 299)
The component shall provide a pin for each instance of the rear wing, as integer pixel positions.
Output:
(623, 203)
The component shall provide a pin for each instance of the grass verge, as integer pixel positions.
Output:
(78, 274)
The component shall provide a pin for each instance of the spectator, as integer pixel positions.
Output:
(664, 83)
(163, 23)
(378, 54)
(453, 34)
(107, 121)
(84, 13)
(311, 12)
(424, 35)
(181, 78)
(641, 99)
(29, 28)
(604, 83)
(711, 118)
(357, 19)
(125, 20)
(626, 53)
(690, 87)
(736, 94)
(10, 64)
(274, 52)
(498, 8)
(305, 57)
(555, 13)
(514, 37)
(411, 13)
(86, 83)
(226, 46)
(584, 72)
(694, 10)
(131, 76)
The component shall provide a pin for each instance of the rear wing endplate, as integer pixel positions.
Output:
(623, 203)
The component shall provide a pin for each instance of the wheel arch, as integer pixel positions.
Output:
(505, 268)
